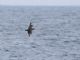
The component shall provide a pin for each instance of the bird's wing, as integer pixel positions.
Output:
(29, 25)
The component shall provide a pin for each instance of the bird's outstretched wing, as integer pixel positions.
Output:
(29, 30)
(30, 25)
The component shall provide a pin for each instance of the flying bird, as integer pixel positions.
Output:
(29, 30)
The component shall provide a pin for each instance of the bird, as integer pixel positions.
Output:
(29, 30)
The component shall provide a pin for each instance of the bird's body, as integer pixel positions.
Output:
(29, 30)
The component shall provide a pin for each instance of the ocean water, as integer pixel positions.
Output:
(56, 35)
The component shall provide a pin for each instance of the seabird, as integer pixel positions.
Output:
(29, 30)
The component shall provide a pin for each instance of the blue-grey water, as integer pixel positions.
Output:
(56, 35)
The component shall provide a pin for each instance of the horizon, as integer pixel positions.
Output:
(40, 3)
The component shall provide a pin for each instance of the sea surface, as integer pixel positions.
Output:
(56, 35)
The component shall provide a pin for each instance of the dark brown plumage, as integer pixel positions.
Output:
(29, 30)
